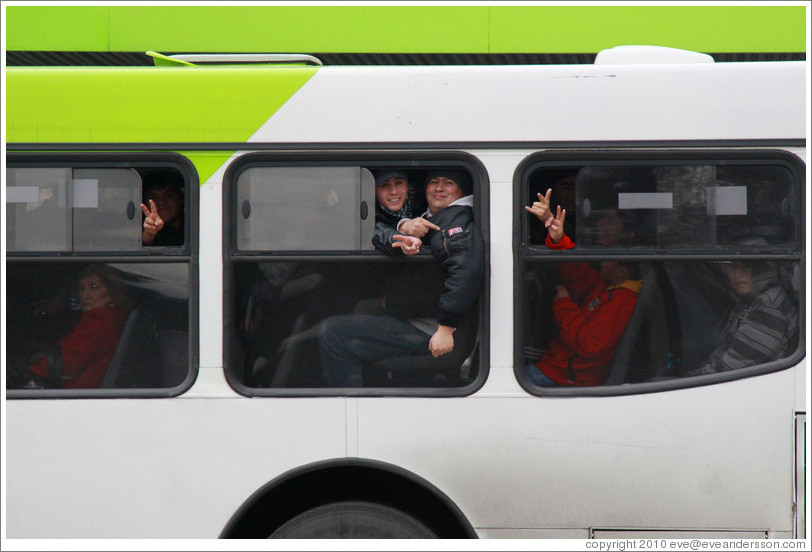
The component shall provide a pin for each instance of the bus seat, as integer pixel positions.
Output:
(423, 370)
(648, 321)
(135, 362)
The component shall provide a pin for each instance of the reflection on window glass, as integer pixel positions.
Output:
(38, 214)
(105, 205)
(97, 326)
(304, 208)
(688, 319)
(280, 308)
(668, 206)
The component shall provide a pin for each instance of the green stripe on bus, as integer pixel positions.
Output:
(405, 29)
(721, 29)
(151, 104)
(207, 162)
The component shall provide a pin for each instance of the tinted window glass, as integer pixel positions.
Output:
(289, 313)
(684, 269)
(675, 207)
(97, 326)
(105, 210)
(38, 209)
(690, 319)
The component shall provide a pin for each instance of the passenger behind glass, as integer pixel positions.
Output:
(422, 314)
(611, 227)
(86, 350)
(163, 219)
(561, 192)
(395, 201)
(592, 309)
(762, 324)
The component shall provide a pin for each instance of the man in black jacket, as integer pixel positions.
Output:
(420, 314)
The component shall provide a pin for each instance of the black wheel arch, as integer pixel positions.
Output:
(324, 482)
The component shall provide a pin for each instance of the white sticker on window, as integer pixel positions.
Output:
(22, 194)
(727, 200)
(657, 200)
(86, 193)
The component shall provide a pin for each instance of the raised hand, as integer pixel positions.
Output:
(555, 225)
(541, 208)
(153, 223)
(409, 244)
(417, 227)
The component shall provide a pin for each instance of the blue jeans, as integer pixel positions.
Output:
(537, 377)
(347, 342)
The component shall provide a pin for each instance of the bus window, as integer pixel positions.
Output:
(686, 206)
(62, 337)
(303, 209)
(37, 209)
(304, 267)
(73, 210)
(79, 321)
(721, 308)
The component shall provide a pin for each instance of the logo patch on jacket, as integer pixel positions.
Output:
(453, 231)
(594, 304)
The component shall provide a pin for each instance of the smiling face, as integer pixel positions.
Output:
(93, 292)
(441, 192)
(741, 278)
(392, 193)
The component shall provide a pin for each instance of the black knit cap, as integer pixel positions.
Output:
(385, 174)
(462, 178)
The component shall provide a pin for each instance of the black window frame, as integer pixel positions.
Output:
(368, 158)
(525, 252)
(186, 254)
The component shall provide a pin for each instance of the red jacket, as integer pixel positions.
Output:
(87, 349)
(591, 322)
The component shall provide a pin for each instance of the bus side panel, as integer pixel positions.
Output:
(689, 459)
(155, 468)
(548, 103)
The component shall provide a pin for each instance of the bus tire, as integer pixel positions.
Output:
(353, 520)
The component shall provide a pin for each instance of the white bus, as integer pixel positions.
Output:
(209, 416)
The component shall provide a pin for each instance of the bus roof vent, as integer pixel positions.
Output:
(629, 55)
(232, 59)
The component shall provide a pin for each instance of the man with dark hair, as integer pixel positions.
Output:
(592, 309)
(421, 312)
(163, 220)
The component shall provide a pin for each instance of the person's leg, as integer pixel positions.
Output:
(346, 342)
(537, 377)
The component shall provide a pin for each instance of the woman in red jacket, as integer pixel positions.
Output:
(592, 309)
(87, 349)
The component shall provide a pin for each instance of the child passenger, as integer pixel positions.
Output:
(592, 309)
